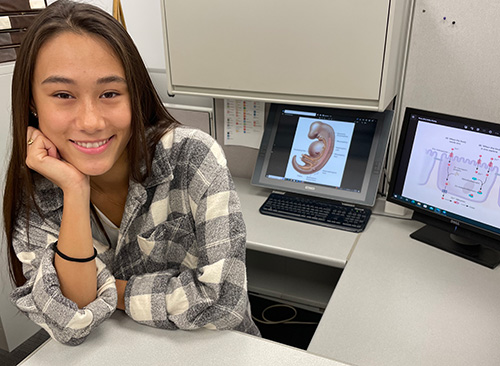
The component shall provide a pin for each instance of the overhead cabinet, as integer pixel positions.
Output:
(341, 53)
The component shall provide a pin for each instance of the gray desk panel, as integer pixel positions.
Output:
(121, 341)
(402, 302)
(289, 238)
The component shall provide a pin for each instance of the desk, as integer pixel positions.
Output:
(402, 302)
(121, 341)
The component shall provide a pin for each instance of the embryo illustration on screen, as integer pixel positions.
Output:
(319, 151)
(457, 170)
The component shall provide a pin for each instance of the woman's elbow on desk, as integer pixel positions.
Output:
(41, 299)
(212, 297)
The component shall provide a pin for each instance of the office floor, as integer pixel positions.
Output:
(297, 333)
(20, 353)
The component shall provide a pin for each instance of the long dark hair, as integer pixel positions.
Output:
(150, 120)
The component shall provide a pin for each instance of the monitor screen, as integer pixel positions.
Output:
(330, 153)
(447, 171)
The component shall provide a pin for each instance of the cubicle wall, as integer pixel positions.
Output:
(453, 60)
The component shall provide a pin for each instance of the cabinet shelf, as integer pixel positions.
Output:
(304, 284)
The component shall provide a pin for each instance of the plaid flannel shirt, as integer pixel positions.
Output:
(181, 247)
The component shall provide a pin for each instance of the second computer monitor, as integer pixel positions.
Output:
(331, 153)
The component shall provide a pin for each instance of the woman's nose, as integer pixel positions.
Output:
(89, 119)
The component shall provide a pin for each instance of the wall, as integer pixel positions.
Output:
(15, 328)
(453, 58)
(452, 61)
(104, 4)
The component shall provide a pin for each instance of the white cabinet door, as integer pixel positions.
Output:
(315, 51)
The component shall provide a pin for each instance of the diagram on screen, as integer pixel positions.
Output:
(319, 151)
(457, 170)
(470, 179)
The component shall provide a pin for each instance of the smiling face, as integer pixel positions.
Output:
(83, 104)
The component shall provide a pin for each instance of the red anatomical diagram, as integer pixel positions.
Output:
(319, 150)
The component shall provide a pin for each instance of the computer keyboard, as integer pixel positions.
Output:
(316, 211)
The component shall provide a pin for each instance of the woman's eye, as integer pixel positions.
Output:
(109, 95)
(63, 96)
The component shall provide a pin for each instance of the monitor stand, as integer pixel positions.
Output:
(463, 247)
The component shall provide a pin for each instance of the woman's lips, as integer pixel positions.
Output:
(92, 147)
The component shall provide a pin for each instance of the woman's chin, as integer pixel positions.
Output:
(94, 171)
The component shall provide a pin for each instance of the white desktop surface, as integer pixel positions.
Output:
(402, 302)
(288, 238)
(121, 341)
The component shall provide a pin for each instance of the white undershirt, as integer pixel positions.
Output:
(111, 229)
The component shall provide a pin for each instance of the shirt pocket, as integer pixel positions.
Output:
(170, 245)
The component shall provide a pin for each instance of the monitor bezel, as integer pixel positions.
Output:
(449, 224)
(374, 169)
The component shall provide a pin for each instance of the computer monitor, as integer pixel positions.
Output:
(447, 171)
(331, 153)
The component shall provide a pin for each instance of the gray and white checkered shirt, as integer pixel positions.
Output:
(181, 247)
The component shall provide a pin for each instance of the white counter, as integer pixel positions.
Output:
(121, 341)
(402, 302)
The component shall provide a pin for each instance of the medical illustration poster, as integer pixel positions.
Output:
(456, 169)
(319, 151)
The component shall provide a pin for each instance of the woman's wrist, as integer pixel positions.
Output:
(75, 235)
(120, 289)
(72, 259)
(78, 189)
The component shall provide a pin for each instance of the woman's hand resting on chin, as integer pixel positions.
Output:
(44, 158)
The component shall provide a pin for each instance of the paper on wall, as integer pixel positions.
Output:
(5, 23)
(37, 4)
(243, 122)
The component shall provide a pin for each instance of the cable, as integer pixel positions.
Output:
(284, 321)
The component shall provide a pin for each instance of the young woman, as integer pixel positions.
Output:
(109, 203)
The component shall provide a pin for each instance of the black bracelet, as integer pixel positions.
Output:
(71, 259)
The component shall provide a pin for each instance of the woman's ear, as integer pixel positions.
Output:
(33, 115)
(33, 109)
